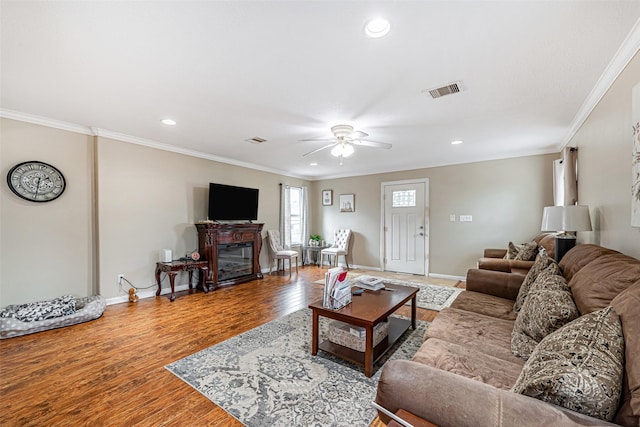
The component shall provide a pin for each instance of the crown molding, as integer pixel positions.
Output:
(44, 121)
(622, 57)
(103, 133)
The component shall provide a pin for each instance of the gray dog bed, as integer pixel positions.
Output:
(23, 319)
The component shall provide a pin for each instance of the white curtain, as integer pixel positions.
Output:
(558, 183)
(565, 178)
(285, 215)
(305, 215)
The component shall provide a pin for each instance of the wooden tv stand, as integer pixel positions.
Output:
(232, 252)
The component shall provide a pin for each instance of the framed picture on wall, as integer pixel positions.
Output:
(347, 203)
(327, 197)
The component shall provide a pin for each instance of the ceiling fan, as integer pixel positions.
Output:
(344, 141)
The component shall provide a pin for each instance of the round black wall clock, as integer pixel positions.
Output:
(36, 181)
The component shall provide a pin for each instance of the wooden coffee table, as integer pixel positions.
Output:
(367, 310)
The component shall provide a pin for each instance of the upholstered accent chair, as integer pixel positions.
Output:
(340, 247)
(277, 252)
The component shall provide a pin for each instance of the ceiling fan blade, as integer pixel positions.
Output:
(358, 134)
(318, 140)
(374, 144)
(319, 149)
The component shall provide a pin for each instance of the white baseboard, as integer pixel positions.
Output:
(147, 293)
(447, 276)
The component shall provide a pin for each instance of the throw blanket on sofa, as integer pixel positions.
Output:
(41, 310)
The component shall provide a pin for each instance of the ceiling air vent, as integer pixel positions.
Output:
(256, 140)
(449, 89)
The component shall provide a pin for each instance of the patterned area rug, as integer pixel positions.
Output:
(267, 376)
(430, 297)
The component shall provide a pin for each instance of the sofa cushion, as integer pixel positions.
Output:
(579, 256)
(543, 261)
(579, 367)
(627, 307)
(468, 362)
(548, 306)
(600, 281)
(548, 243)
(485, 333)
(486, 304)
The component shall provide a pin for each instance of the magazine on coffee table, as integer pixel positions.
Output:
(369, 282)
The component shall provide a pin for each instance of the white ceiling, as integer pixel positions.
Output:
(227, 71)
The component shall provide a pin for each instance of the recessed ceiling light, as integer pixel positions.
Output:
(456, 142)
(313, 164)
(377, 28)
(169, 122)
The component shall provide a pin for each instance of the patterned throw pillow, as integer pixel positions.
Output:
(527, 252)
(542, 263)
(512, 251)
(548, 306)
(42, 310)
(578, 367)
(523, 252)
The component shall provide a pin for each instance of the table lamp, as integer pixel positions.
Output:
(567, 220)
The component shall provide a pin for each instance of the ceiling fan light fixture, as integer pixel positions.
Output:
(342, 150)
(168, 122)
(377, 28)
(456, 142)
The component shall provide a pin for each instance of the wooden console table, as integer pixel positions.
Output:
(232, 251)
(172, 268)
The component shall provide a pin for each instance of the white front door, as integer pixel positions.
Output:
(405, 230)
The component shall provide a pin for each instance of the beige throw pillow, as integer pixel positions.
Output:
(512, 251)
(548, 306)
(542, 263)
(527, 252)
(578, 367)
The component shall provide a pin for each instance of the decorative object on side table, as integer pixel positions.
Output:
(36, 181)
(314, 240)
(347, 203)
(327, 197)
(566, 220)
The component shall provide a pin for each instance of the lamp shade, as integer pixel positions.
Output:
(566, 218)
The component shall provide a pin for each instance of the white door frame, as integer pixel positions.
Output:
(426, 219)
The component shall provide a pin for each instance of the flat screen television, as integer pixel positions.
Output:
(231, 203)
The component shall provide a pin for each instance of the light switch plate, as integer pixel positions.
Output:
(452, 217)
(464, 218)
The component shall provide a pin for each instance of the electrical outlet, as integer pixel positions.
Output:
(120, 279)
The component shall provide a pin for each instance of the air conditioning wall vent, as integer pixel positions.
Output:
(448, 89)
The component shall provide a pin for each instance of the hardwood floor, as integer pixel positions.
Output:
(110, 372)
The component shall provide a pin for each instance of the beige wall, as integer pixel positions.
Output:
(604, 163)
(147, 200)
(150, 199)
(505, 198)
(47, 248)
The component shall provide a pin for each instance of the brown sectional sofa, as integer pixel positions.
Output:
(492, 259)
(463, 373)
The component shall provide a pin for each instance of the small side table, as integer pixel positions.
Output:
(172, 268)
(307, 251)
